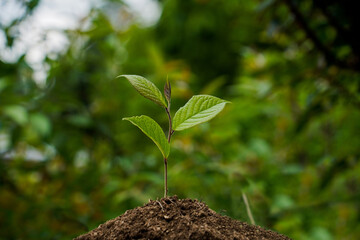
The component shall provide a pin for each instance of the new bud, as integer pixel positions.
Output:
(167, 91)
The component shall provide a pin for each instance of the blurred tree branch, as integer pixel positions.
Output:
(331, 59)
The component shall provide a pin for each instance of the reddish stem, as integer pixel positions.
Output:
(170, 133)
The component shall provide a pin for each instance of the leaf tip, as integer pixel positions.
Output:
(126, 76)
(120, 76)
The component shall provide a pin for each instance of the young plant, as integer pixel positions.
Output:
(199, 109)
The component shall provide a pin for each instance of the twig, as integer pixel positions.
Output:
(162, 209)
(248, 209)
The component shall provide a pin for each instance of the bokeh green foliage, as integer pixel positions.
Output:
(289, 140)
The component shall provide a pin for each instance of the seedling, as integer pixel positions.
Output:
(199, 109)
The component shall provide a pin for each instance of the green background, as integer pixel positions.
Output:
(290, 140)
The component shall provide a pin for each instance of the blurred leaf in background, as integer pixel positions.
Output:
(290, 139)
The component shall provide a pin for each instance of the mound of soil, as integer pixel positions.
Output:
(173, 218)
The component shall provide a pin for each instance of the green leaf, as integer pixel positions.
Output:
(198, 109)
(146, 88)
(40, 123)
(17, 113)
(153, 131)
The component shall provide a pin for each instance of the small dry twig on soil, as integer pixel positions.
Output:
(248, 209)
(162, 209)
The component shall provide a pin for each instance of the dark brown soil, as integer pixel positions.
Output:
(173, 218)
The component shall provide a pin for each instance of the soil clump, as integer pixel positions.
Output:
(173, 218)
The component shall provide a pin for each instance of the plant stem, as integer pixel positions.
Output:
(170, 133)
(167, 109)
(165, 177)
